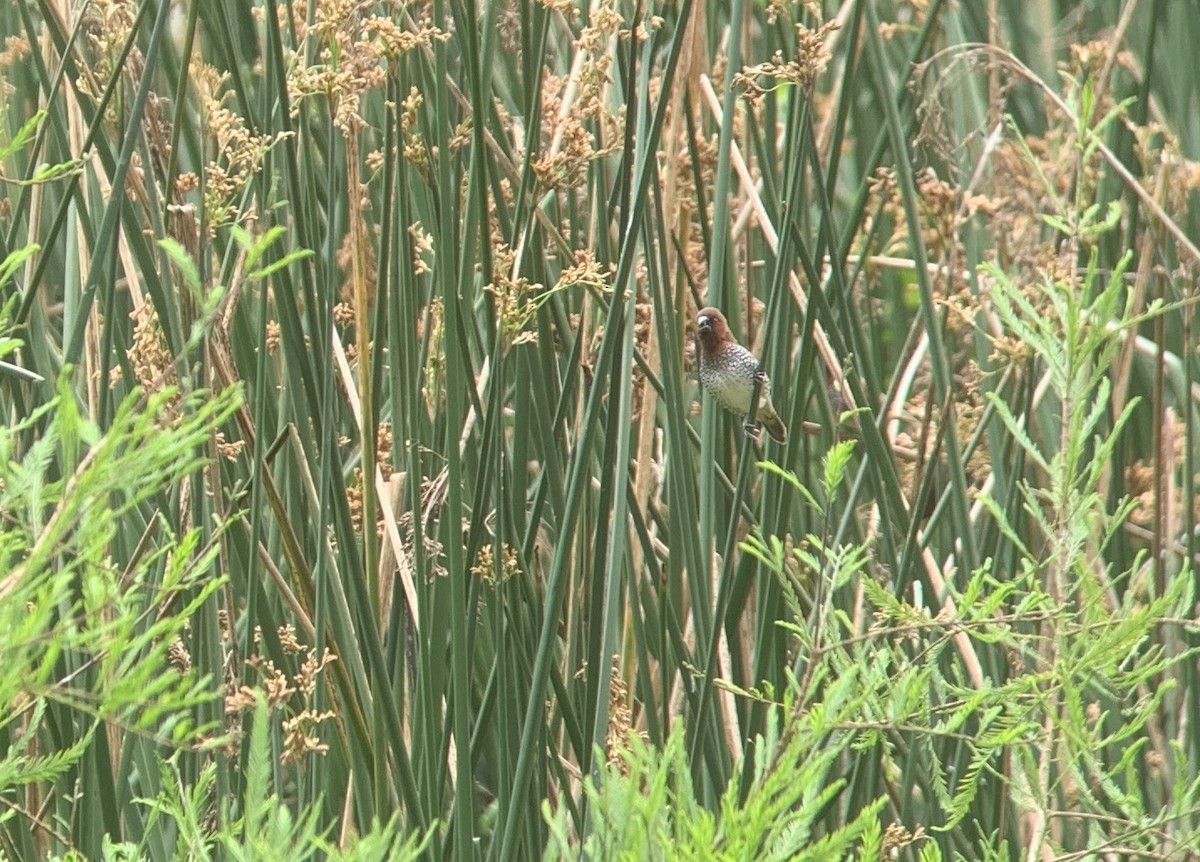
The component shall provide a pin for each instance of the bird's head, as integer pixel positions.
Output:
(712, 329)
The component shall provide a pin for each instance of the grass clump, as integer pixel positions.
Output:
(358, 497)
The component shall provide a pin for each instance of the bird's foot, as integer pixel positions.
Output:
(753, 430)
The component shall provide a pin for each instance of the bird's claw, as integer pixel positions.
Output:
(754, 430)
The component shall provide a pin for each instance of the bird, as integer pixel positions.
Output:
(729, 371)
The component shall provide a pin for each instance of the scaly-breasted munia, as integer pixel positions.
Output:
(728, 371)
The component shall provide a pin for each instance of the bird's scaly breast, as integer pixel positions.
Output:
(729, 377)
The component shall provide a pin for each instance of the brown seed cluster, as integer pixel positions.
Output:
(422, 249)
(620, 719)
(909, 17)
(180, 658)
(148, 355)
(15, 50)
(369, 274)
(352, 52)
(229, 450)
(516, 298)
(354, 488)
(435, 359)
(233, 153)
(1156, 485)
(811, 55)
(576, 120)
(492, 571)
(288, 697)
(896, 837)
(415, 150)
(105, 28)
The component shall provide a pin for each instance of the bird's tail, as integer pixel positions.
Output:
(771, 421)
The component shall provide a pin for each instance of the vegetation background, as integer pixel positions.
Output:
(357, 500)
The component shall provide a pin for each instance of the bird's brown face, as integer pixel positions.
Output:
(711, 328)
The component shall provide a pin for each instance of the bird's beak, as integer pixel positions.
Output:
(704, 324)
